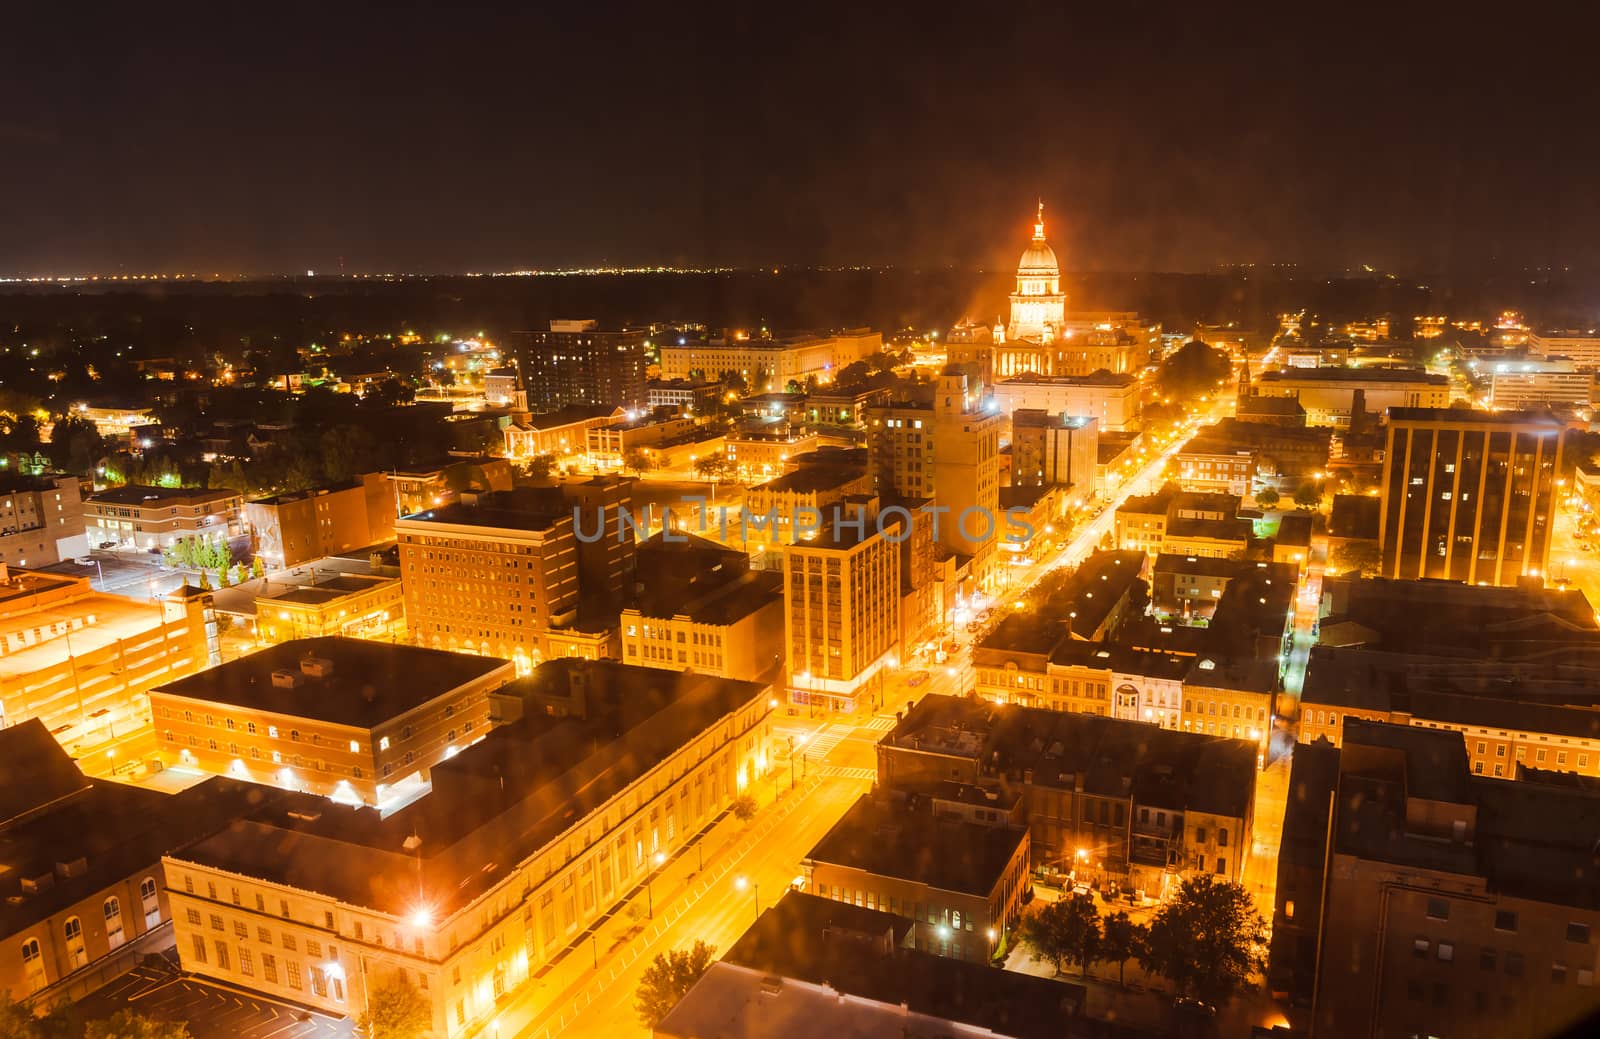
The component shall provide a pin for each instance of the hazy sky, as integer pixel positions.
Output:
(411, 138)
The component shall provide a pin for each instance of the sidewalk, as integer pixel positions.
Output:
(565, 984)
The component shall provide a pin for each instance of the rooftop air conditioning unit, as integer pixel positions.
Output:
(285, 679)
(317, 667)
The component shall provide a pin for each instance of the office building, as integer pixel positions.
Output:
(1185, 523)
(344, 718)
(1517, 385)
(699, 606)
(775, 507)
(841, 609)
(1328, 395)
(1452, 904)
(1111, 400)
(1581, 347)
(578, 363)
(41, 520)
(154, 517)
(525, 840)
(328, 596)
(769, 365)
(947, 450)
(1204, 465)
(1060, 450)
(491, 575)
(1105, 799)
(430, 485)
(294, 528)
(1469, 495)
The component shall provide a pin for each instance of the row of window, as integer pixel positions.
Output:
(73, 940)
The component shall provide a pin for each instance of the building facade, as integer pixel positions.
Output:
(1469, 496)
(290, 529)
(1111, 399)
(41, 520)
(841, 612)
(155, 517)
(579, 363)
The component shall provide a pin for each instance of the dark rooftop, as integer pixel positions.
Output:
(370, 682)
(1111, 756)
(588, 730)
(812, 478)
(1355, 516)
(892, 840)
(523, 508)
(137, 494)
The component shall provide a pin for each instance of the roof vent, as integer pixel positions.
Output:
(286, 679)
(772, 984)
(317, 667)
(76, 868)
(39, 884)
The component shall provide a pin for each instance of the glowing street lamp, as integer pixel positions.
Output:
(741, 882)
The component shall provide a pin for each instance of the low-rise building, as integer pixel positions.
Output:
(558, 434)
(82, 896)
(1515, 385)
(1112, 400)
(154, 517)
(343, 718)
(1328, 394)
(526, 839)
(732, 628)
(689, 396)
(1107, 799)
(1232, 697)
(41, 520)
(959, 881)
(1207, 465)
(812, 966)
(429, 486)
(1452, 904)
(80, 661)
(297, 527)
(1183, 523)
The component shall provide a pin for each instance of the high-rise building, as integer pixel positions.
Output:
(577, 362)
(947, 450)
(1469, 495)
(1055, 450)
(842, 609)
(490, 575)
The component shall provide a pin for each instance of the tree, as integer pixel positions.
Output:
(258, 569)
(1267, 497)
(1120, 942)
(18, 1021)
(396, 1010)
(712, 466)
(128, 1025)
(1065, 931)
(744, 807)
(1308, 495)
(734, 382)
(637, 461)
(1207, 941)
(541, 466)
(76, 444)
(668, 978)
(1195, 368)
(1361, 557)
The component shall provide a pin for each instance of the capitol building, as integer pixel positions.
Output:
(1042, 338)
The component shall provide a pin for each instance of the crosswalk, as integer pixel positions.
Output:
(829, 738)
(880, 723)
(869, 774)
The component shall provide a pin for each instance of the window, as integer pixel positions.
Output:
(247, 965)
(1514, 964)
(193, 916)
(1446, 952)
(1578, 933)
(1438, 909)
(149, 902)
(1505, 920)
(1222, 837)
(1558, 973)
(222, 954)
(269, 967)
(1486, 959)
(1419, 947)
(199, 948)
(77, 955)
(293, 969)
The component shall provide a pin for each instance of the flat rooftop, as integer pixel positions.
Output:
(1111, 756)
(371, 682)
(589, 729)
(1338, 374)
(1101, 378)
(525, 508)
(892, 840)
(812, 478)
(138, 494)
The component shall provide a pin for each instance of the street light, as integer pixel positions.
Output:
(741, 883)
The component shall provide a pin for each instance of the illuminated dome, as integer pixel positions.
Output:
(1039, 258)
(1038, 307)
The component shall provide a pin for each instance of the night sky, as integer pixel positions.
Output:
(407, 138)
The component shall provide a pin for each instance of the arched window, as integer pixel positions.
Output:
(113, 914)
(149, 902)
(76, 953)
(33, 966)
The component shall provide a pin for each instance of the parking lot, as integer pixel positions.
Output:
(211, 1011)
